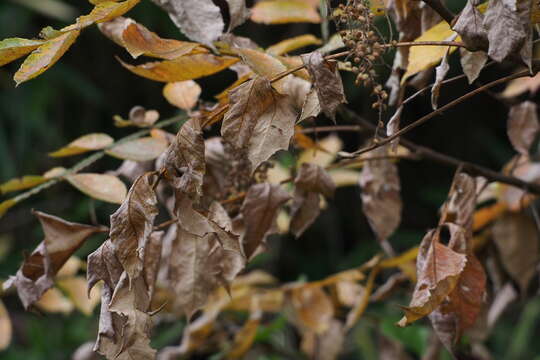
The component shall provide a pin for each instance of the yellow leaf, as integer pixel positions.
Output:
(104, 11)
(284, 11)
(332, 144)
(243, 340)
(360, 307)
(6, 205)
(424, 57)
(344, 177)
(182, 94)
(14, 48)
(264, 65)
(83, 144)
(292, 62)
(292, 44)
(54, 301)
(187, 67)
(5, 327)
(26, 182)
(76, 290)
(535, 12)
(100, 186)
(143, 149)
(138, 40)
(45, 56)
(70, 268)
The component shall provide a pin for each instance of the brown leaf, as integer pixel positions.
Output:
(312, 309)
(314, 178)
(470, 26)
(244, 338)
(14, 48)
(131, 225)
(326, 81)
(187, 67)
(472, 63)
(99, 186)
(516, 238)
(461, 201)
(508, 29)
(45, 56)
(304, 211)
(381, 200)
(260, 121)
(325, 346)
(259, 211)
(283, 12)
(184, 161)
(264, 65)
(523, 126)
(438, 269)
(440, 73)
(62, 239)
(83, 144)
(199, 20)
(142, 149)
(182, 94)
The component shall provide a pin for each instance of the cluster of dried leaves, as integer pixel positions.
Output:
(225, 195)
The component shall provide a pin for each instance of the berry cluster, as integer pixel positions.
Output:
(359, 35)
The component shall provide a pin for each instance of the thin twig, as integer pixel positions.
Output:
(426, 43)
(441, 9)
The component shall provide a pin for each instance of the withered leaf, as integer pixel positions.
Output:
(14, 48)
(462, 201)
(438, 270)
(516, 238)
(259, 121)
(507, 28)
(238, 13)
(440, 73)
(470, 26)
(310, 181)
(182, 94)
(312, 309)
(5, 327)
(523, 126)
(381, 199)
(472, 63)
(264, 65)
(62, 239)
(326, 81)
(259, 211)
(199, 20)
(102, 187)
(244, 338)
(142, 149)
(184, 161)
(131, 225)
(83, 144)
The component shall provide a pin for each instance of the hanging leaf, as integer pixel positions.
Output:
(259, 211)
(84, 144)
(102, 187)
(103, 12)
(381, 199)
(326, 81)
(472, 63)
(182, 94)
(142, 149)
(45, 56)
(62, 239)
(283, 12)
(187, 67)
(525, 84)
(440, 74)
(14, 48)
(292, 44)
(470, 26)
(523, 126)
(199, 20)
(5, 327)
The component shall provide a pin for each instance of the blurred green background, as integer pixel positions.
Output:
(88, 86)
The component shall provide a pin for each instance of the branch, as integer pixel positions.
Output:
(444, 159)
(91, 159)
(440, 110)
(440, 9)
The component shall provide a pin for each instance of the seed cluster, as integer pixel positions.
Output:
(365, 44)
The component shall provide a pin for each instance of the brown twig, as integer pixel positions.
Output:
(441, 9)
(426, 43)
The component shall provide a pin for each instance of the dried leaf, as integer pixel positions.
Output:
(244, 338)
(142, 149)
(238, 13)
(381, 199)
(311, 107)
(440, 73)
(182, 94)
(103, 12)
(345, 177)
(131, 225)
(326, 81)
(260, 121)
(138, 40)
(362, 301)
(5, 327)
(187, 67)
(518, 86)
(26, 182)
(76, 290)
(472, 63)
(199, 20)
(84, 144)
(312, 309)
(438, 271)
(184, 161)
(295, 43)
(45, 56)
(304, 211)
(53, 301)
(62, 239)
(507, 28)
(516, 238)
(259, 211)
(264, 65)
(102, 187)
(330, 146)
(283, 12)
(523, 126)
(13, 48)
(470, 26)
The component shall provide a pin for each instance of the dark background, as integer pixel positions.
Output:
(82, 92)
